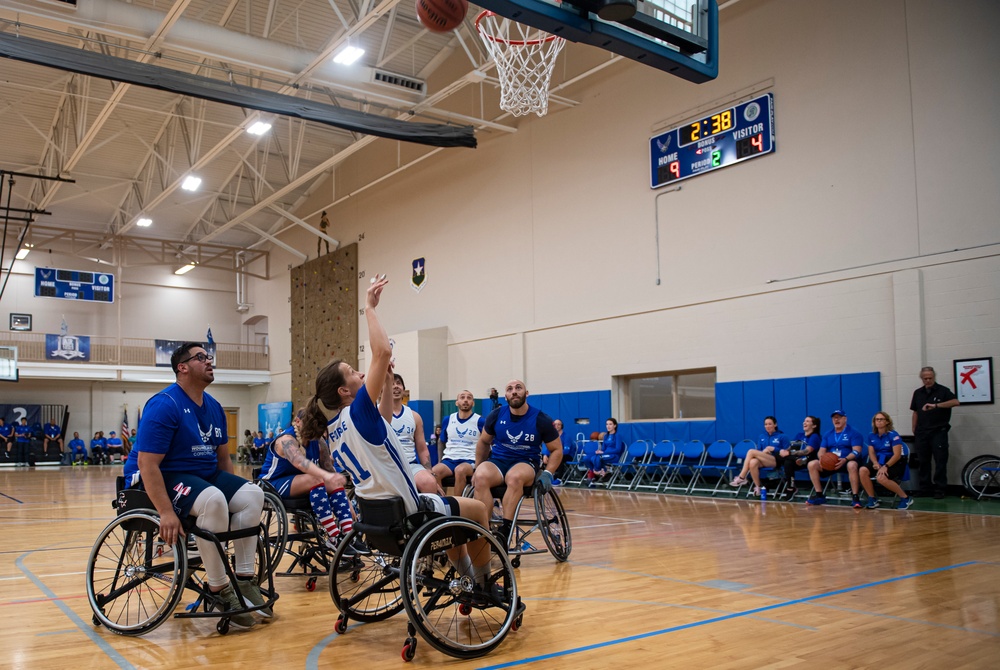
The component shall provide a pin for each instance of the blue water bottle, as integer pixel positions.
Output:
(763, 494)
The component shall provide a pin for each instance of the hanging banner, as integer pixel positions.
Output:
(67, 347)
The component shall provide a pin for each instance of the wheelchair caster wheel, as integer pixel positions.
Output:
(97, 622)
(409, 649)
(311, 584)
(222, 626)
(517, 622)
(515, 562)
(355, 575)
(341, 626)
(465, 609)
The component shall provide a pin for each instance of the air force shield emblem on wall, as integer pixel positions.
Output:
(419, 274)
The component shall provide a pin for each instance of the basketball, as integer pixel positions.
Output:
(441, 16)
(829, 461)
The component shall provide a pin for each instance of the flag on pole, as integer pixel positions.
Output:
(125, 430)
(211, 340)
(138, 417)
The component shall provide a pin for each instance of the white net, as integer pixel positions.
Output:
(525, 57)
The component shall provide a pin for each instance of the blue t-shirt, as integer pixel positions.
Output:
(612, 445)
(114, 442)
(260, 442)
(276, 466)
(6, 429)
(98, 443)
(77, 444)
(22, 433)
(519, 438)
(812, 440)
(777, 439)
(52, 430)
(187, 435)
(844, 442)
(884, 444)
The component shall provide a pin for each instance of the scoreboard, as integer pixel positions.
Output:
(715, 141)
(74, 285)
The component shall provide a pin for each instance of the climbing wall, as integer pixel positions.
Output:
(324, 317)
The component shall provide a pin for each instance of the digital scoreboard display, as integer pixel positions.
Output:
(714, 141)
(74, 285)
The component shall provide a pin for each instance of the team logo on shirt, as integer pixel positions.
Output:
(462, 433)
(514, 438)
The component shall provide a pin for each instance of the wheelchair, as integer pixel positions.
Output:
(550, 522)
(406, 567)
(135, 580)
(294, 531)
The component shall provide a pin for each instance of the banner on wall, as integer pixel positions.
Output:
(12, 414)
(273, 417)
(67, 347)
(166, 348)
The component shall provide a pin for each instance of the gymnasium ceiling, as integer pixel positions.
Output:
(128, 148)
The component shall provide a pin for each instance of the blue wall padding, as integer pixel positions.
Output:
(627, 431)
(728, 411)
(569, 408)
(677, 431)
(822, 397)
(703, 430)
(861, 397)
(425, 408)
(641, 431)
(790, 404)
(758, 402)
(589, 405)
(603, 404)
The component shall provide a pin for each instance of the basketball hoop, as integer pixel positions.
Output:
(525, 58)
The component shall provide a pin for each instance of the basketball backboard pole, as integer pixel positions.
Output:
(645, 37)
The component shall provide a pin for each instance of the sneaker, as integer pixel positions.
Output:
(232, 604)
(789, 493)
(905, 503)
(872, 503)
(816, 499)
(251, 593)
(738, 481)
(855, 502)
(556, 482)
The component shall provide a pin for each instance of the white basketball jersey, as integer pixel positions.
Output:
(462, 436)
(405, 426)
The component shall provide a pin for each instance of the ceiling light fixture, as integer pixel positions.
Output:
(144, 222)
(191, 183)
(348, 55)
(184, 269)
(22, 253)
(259, 128)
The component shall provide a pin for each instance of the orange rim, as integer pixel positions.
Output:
(500, 40)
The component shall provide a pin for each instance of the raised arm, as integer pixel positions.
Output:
(378, 341)
(419, 443)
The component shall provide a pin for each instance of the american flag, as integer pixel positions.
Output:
(125, 430)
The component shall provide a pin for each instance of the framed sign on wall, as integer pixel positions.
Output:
(974, 380)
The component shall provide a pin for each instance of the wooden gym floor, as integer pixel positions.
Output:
(653, 581)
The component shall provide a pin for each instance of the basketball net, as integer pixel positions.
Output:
(524, 57)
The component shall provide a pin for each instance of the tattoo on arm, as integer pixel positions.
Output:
(293, 453)
(325, 459)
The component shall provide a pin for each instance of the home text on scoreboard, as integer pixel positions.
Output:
(713, 141)
(74, 285)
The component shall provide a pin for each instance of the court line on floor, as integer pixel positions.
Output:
(727, 617)
(89, 631)
(11, 498)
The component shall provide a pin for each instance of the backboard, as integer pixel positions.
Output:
(8, 364)
(680, 37)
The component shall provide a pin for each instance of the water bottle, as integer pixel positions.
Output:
(763, 494)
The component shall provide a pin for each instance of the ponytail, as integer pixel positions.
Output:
(328, 383)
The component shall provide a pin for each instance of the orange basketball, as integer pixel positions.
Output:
(441, 16)
(829, 461)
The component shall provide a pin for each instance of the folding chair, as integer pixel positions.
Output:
(717, 465)
(657, 464)
(682, 471)
(627, 471)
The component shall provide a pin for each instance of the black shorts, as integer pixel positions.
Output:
(896, 470)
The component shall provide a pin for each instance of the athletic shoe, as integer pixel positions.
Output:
(556, 482)
(251, 593)
(905, 503)
(789, 493)
(855, 502)
(738, 481)
(872, 503)
(816, 499)
(232, 604)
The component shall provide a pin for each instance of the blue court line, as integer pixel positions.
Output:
(72, 616)
(727, 617)
(19, 502)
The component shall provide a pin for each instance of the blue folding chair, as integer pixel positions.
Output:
(715, 469)
(627, 471)
(657, 465)
(682, 472)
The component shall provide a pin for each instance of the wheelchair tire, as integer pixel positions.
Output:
(134, 581)
(553, 524)
(435, 597)
(274, 520)
(368, 583)
(971, 465)
(983, 479)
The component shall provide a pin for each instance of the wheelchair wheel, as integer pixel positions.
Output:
(553, 524)
(971, 465)
(134, 580)
(367, 582)
(984, 479)
(456, 616)
(274, 520)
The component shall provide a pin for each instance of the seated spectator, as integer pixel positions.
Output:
(846, 443)
(98, 449)
(22, 444)
(115, 448)
(243, 451)
(259, 446)
(78, 449)
(568, 449)
(804, 446)
(52, 445)
(772, 452)
(885, 459)
(6, 439)
(609, 452)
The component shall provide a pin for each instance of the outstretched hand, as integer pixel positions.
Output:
(375, 291)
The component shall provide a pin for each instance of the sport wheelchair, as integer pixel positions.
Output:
(406, 567)
(135, 580)
(550, 521)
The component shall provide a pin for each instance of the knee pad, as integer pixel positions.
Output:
(211, 510)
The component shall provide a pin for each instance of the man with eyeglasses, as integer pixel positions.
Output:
(181, 459)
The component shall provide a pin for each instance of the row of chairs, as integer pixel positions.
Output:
(674, 467)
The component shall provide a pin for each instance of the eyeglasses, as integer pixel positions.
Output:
(879, 418)
(200, 357)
